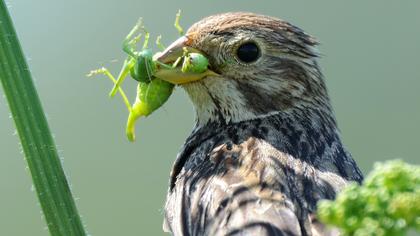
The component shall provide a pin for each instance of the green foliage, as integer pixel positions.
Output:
(37, 142)
(388, 202)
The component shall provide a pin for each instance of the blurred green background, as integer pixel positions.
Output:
(370, 61)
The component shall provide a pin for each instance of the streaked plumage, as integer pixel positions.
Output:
(266, 146)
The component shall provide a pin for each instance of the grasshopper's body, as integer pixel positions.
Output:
(144, 66)
(150, 97)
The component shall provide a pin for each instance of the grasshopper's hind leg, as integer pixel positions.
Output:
(125, 70)
(108, 74)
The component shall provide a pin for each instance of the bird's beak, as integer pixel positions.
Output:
(169, 56)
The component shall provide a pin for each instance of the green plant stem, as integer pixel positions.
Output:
(38, 145)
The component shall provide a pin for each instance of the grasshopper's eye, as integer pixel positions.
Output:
(248, 52)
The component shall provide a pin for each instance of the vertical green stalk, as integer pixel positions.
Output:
(40, 151)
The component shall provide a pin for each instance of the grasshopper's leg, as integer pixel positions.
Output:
(130, 41)
(178, 60)
(166, 66)
(159, 43)
(149, 69)
(106, 72)
(129, 46)
(125, 70)
(177, 25)
(146, 38)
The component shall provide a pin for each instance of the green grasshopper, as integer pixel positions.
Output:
(152, 92)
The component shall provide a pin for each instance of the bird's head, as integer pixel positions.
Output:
(262, 66)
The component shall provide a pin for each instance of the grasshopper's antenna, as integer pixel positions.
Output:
(177, 25)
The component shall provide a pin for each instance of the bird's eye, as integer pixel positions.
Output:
(248, 52)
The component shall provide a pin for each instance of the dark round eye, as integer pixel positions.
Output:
(248, 52)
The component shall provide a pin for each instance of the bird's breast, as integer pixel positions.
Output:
(229, 186)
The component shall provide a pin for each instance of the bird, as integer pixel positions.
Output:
(265, 147)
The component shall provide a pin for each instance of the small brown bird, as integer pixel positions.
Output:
(266, 146)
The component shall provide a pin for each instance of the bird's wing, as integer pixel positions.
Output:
(248, 189)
